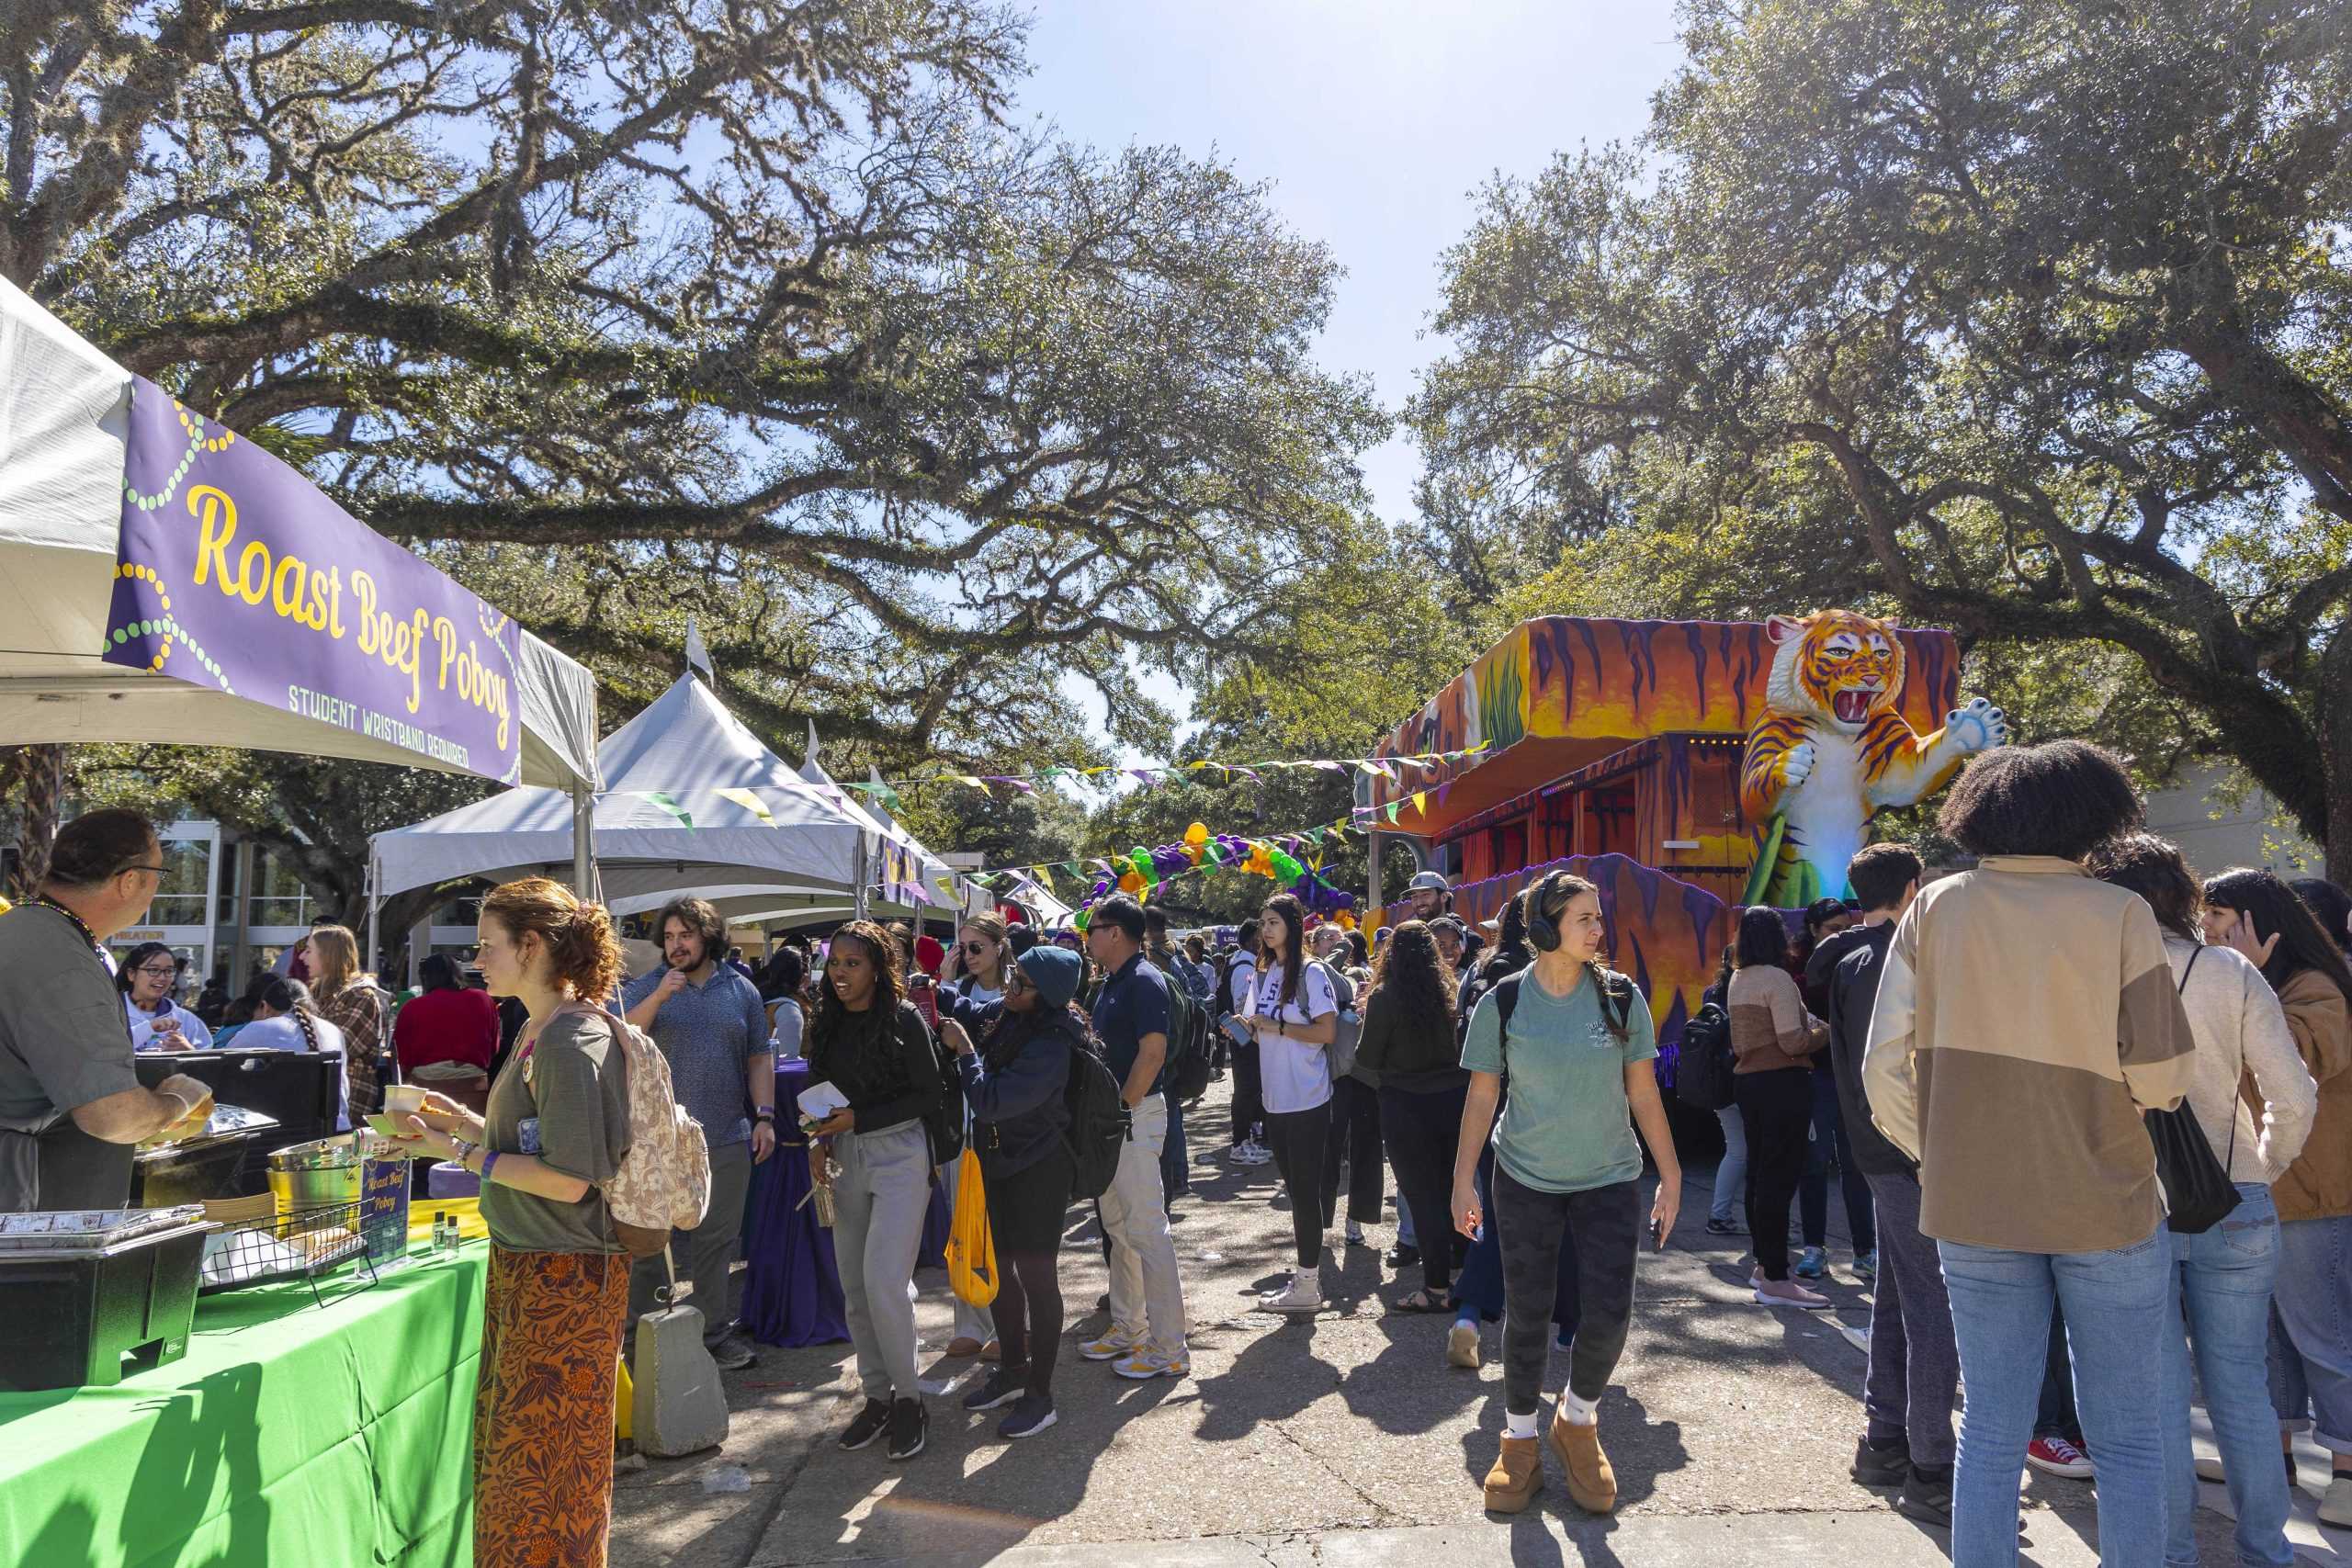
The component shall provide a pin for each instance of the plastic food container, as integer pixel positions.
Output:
(82, 1289)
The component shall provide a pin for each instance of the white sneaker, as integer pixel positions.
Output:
(2336, 1506)
(1787, 1292)
(1256, 1153)
(1303, 1294)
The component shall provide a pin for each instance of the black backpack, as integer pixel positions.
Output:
(1098, 1121)
(944, 1125)
(1188, 1041)
(1615, 991)
(1702, 1068)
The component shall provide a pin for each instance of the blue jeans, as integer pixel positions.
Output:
(1829, 1131)
(2222, 1302)
(2115, 1324)
(1731, 1177)
(2310, 1331)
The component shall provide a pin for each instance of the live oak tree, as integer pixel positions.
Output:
(764, 294)
(2052, 299)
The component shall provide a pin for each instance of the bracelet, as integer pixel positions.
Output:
(763, 1113)
(488, 1164)
(463, 1150)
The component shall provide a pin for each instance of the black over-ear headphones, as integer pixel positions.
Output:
(1542, 929)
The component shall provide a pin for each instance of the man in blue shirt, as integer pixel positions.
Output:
(713, 1029)
(1147, 1334)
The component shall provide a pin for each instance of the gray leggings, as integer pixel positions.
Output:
(879, 1201)
(1605, 1226)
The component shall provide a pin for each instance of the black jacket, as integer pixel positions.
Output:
(1399, 1057)
(1845, 968)
(888, 1074)
(1015, 1081)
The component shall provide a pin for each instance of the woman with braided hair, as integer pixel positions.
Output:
(1576, 1044)
(286, 1018)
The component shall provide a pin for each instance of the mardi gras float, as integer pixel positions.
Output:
(1686, 768)
(1142, 871)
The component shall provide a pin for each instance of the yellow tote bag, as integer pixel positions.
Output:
(971, 1251)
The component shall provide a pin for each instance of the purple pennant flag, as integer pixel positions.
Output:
(1143, 775)
(235, 573)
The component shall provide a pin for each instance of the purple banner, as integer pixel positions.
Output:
(236, 573)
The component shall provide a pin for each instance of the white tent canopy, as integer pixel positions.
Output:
(65, 412)
(692, 803)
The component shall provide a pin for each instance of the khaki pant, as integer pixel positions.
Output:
(1146, 1295)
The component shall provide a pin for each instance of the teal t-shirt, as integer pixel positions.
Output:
(1565, 1126)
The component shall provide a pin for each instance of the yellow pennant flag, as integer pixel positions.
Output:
(1420, 799)
(751, 802)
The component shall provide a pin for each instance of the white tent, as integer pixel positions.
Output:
(692, 803)
(64, 415)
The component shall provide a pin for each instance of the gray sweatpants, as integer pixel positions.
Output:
(879, 1199)
(706, 1253)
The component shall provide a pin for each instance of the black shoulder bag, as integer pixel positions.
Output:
(2199, 1194)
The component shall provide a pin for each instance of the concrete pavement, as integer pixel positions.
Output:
(1344, 1441)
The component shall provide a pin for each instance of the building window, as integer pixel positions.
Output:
(183, 896)
(278, 897)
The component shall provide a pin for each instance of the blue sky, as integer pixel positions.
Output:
(1374, 119)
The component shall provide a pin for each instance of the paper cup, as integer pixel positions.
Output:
(403, 1098)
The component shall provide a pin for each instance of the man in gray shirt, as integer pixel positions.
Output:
(71, 1104)
(713, 1027)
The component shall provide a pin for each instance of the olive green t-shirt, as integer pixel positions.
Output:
(573, 1089)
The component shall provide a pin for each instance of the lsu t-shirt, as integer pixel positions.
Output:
(1298, 1075)
(1565, 1126)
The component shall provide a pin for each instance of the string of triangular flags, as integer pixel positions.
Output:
(1153, 774)
(1306, 842)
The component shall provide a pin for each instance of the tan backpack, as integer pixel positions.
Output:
(664, 1179)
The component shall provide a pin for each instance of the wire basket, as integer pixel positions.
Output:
(302, 1246)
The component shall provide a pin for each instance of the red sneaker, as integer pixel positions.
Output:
(2056, 1456)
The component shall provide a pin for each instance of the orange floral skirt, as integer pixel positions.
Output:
(543, 1410)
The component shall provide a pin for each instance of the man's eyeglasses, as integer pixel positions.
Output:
(129, 869)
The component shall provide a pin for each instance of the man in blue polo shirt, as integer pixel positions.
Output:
(713, 1029)
(1131, 1013)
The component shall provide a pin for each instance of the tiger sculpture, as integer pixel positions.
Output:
(1832, 750)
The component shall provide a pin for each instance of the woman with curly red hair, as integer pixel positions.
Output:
(557, 1127)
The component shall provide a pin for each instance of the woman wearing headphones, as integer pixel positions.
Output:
(1576, 1042)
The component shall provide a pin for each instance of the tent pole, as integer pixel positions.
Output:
(583, 840)
(858, 902)
(375, 929)
(1373, 856)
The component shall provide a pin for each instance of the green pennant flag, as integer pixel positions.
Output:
(1070, 869)
(668, 805)
(1394, 807)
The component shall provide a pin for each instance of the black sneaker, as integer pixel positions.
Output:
(1031, 1416)
(733, 1354)
(910, 1424)
(868, 1426)
(1004, 1386)
(1927, 1499)
(1877, 1466)
(1401, 1257)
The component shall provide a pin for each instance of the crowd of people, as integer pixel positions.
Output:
(1987, 1062)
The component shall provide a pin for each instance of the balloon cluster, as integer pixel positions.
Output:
(1141, 870)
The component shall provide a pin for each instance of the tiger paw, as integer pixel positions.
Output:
(1797, 765)
(1977, 727)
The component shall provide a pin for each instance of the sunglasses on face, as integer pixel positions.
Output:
(975, 947)
(1017, 983)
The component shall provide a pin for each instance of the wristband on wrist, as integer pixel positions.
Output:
(488, 1164)
(763, 1113)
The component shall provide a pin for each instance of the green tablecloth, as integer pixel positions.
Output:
(334, 1436)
